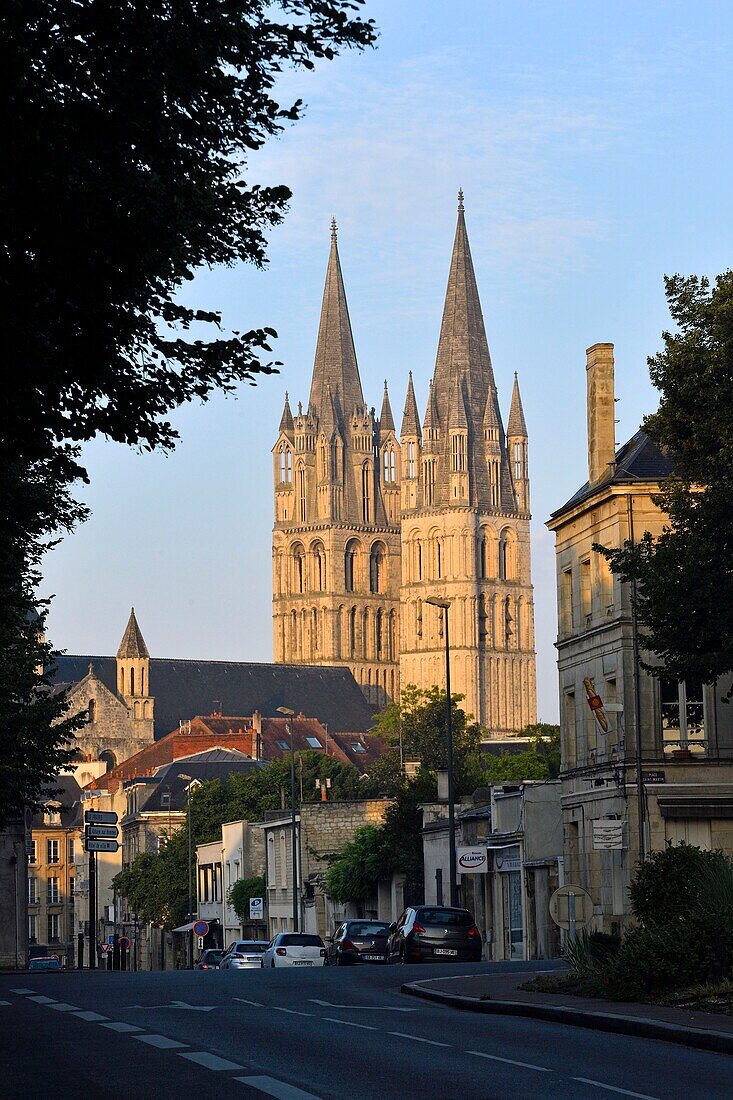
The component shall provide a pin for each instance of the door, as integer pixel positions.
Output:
(511, 891)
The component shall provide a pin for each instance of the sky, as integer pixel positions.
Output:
(593, 144)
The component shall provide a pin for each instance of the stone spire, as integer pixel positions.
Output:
(457, 414)
(286, 420)
(133, 643)
(410, 416)
(517, 425)
(431, 424)
(335, 361)
(328, 421)
(386, 420)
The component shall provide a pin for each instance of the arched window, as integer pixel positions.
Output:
(483, 558)
(418, 618)
(132, 681)
(91, 710)
(350, 565)
(518, 461)
(366, 494)
(438, 559)
(378, 634)
(294, 634)
(301, 486)
(458, 453)
(315, 633)
(508, 620)
(299, 575)
(410, 459)
(494, 482)
(352, 631)
(365, 633)
(390, 468)
(429, 474)
(483, 632)
(286, 464)
(107, 757)
(391, 649)
(419, 560)
(376, 568)
(503, 556)
(325, 471)
(319, 567)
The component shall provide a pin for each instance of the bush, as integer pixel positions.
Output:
(654, 960)
(665, 888)
(590, 952)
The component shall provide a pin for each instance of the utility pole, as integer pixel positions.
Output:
(289, 714)
(92, 910)
(640, 791)
(189, 779)
(445, 605)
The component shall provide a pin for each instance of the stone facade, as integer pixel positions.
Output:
(368, 526)
(678, 736)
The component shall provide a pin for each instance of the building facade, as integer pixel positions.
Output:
(369, 524)
(619, 724)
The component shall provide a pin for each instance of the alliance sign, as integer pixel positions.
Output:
(472, 861)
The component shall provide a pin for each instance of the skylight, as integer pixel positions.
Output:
(314, 742)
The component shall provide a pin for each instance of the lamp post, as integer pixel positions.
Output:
(436, 601)
(289, 714)
(189, 779)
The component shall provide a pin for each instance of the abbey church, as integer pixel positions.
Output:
(369, 524)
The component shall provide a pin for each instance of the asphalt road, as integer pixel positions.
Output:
(333, 1034)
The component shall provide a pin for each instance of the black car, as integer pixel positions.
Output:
(358, 941)
(210, 959)
(435, 933)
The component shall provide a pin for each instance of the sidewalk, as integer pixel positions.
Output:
(499, 994)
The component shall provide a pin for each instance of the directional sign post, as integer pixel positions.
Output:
(102, 845)
(100, 817)
(101, 832)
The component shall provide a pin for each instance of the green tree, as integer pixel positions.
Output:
(241, 891)
(129, 132)
(684, 578)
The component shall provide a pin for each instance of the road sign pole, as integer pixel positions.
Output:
(92, 911)
(571, 916)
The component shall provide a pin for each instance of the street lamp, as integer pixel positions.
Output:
(289, 714)
(436, 601)
(189, 779)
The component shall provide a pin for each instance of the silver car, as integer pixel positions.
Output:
(244, 955)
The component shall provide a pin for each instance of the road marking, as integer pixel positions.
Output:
(279, 1089)
(61, 1006)
(42, 1000)
(209, 1061)
(612, 1088)
(22, 991)
(4, 1002)
(509, 1061)
(92, 1017)
(294, 1012)
(348, 1023)
(160, 1041)
(120, 1025)
(418, 1038)
(244, 1001)
(374, 1008)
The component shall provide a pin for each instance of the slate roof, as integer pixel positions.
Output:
(65, 792)
(183, 689)
(168, 778)
(638, 460)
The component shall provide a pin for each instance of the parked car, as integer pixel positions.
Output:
(435, 933)
(243, 955)
(295, 949)
(358, 941)
(45, 963)
(210, 959)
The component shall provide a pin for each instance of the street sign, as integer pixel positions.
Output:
(125, 941)
(92, 845)
(100, 817)
(472, 861)
(201, 928)
(256, 908)
(571, 907)
(101, 832)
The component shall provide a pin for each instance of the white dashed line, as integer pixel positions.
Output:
(509, 1061)
(612, 1088)
(279, 1089)
(61, 1006)
(418, 1039)
(92, 1017)
(348, 1023)
(160, 1041)
(209, 1061)
(22, 990)
(43, 1000)
(120, 1025)
(4, 1002)
(244, 1001)
(293, 1012)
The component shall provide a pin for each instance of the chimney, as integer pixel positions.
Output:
(601, 411)
(257, 721)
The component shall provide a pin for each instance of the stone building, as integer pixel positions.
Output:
(58, 838)
(617, 721)
(369, 524)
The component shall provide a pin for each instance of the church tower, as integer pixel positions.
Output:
(336, 541)
(133, 672)
(465, 523)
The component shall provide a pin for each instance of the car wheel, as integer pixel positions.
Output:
(401, 957)
(272, 964)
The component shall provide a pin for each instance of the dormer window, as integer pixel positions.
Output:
(314, 742)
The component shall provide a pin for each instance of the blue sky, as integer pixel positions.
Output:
(593, 144)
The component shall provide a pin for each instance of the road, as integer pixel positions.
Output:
(333, 1034)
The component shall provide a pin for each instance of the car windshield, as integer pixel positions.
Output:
(300, 940)
(213, 953)
(460, 917)
(251, 948)
(367, 928)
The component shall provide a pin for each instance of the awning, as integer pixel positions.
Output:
(186, 927)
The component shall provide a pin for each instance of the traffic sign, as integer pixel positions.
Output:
(101, 832)
(125, 941)
(201, 928)
(100, 817)
(571, 907)
(92, 845)
(256, 908)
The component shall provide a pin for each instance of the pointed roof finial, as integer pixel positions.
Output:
(386, 420)
(460, 200)
(133, 643)
(334, 230)
(410, 416)
(517, 424)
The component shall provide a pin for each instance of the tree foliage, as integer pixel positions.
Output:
(241, 891)
(684, 577)
(129, 129)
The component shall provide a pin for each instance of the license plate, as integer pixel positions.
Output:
(373, 958)
(302, 962)
(445, 951)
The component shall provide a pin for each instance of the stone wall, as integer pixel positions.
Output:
(327, 826)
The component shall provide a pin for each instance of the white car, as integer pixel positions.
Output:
(295, 949)
(244, 955)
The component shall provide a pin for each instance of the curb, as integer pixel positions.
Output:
(638, 1026)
